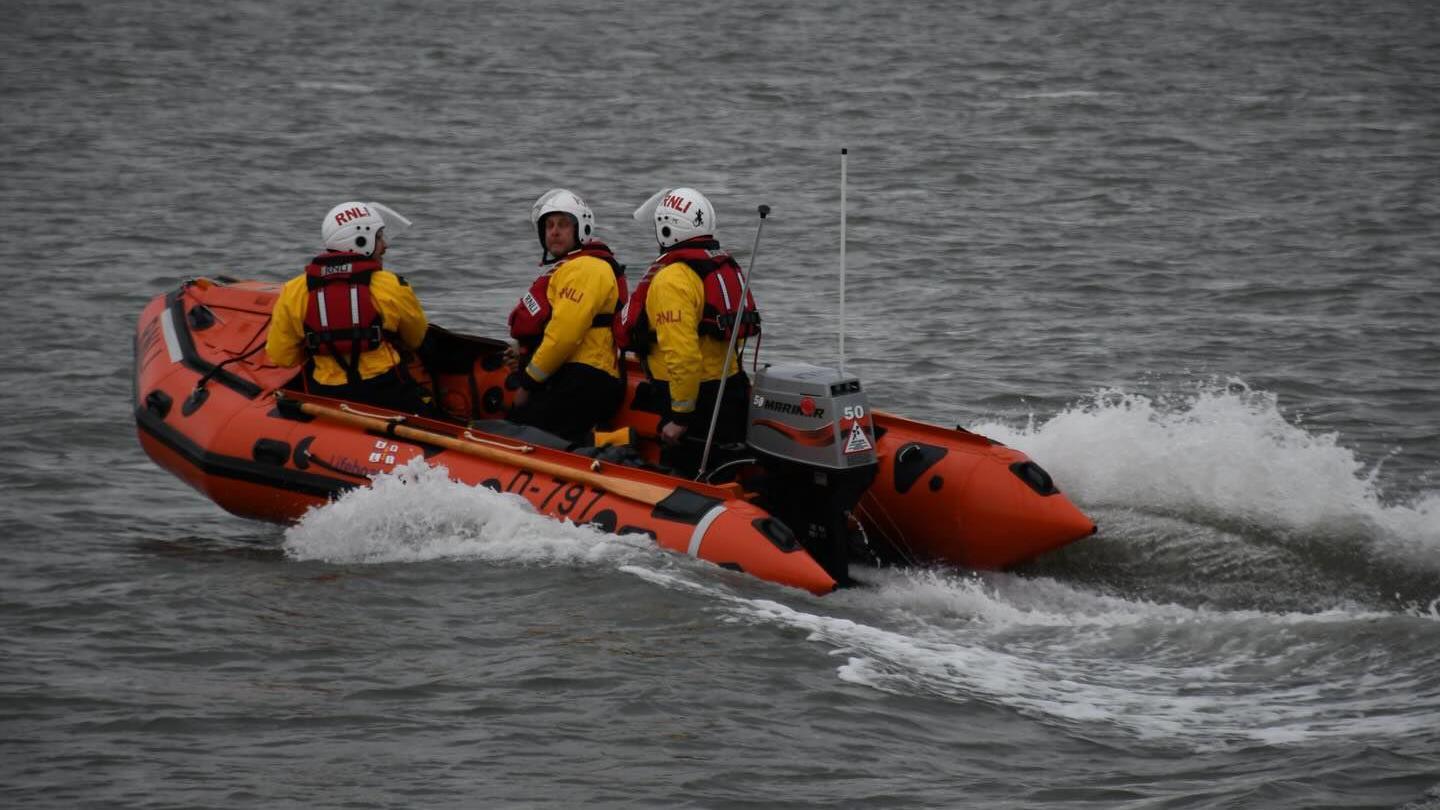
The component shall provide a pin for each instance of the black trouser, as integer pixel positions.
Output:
(729, 427)
(392, 390)
(572, 402)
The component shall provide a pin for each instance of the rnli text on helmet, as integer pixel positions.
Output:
(351, 213)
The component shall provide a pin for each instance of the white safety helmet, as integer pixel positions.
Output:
(566, 202)
(353, 227)
(679, 214)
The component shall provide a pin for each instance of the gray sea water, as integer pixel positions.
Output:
(1185, 254)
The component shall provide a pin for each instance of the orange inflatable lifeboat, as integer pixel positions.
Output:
(822, 481)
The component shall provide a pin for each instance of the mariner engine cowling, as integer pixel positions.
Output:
(811, 430)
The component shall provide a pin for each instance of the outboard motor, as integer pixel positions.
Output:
(811, 430)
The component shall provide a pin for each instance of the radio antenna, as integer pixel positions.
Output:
(843, 153)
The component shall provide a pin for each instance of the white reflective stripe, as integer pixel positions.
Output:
(172, 344)
(724, 293)
(535, 373)
(354, 306)
(683, 405)
(320, 299)
(700, 529)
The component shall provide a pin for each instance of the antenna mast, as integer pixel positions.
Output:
(843, 153)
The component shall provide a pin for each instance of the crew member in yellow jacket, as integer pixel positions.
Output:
(687, 325)
(566, 366)
(348, 319)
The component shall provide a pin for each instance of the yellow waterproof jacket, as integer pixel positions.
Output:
(399, 311)
(579, 289)
(681, 355)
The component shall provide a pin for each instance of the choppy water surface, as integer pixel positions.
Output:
(1183, 254)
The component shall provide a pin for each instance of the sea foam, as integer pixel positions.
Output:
(1224, 451)
(417, 513)
(1197, 678)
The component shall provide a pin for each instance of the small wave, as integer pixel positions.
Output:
(1014, 602)
(343, 87)
(1063, 94)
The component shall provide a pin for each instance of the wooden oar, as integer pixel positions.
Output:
(641, 491)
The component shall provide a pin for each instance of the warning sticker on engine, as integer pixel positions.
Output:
(858, 441)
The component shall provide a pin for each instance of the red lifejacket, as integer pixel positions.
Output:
(723, 280)
(340, 317)
(532, 314)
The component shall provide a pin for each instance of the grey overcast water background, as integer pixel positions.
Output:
(1184, 254)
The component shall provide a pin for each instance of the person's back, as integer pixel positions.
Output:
(681, 317)
(566, 369)
(349, 320)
